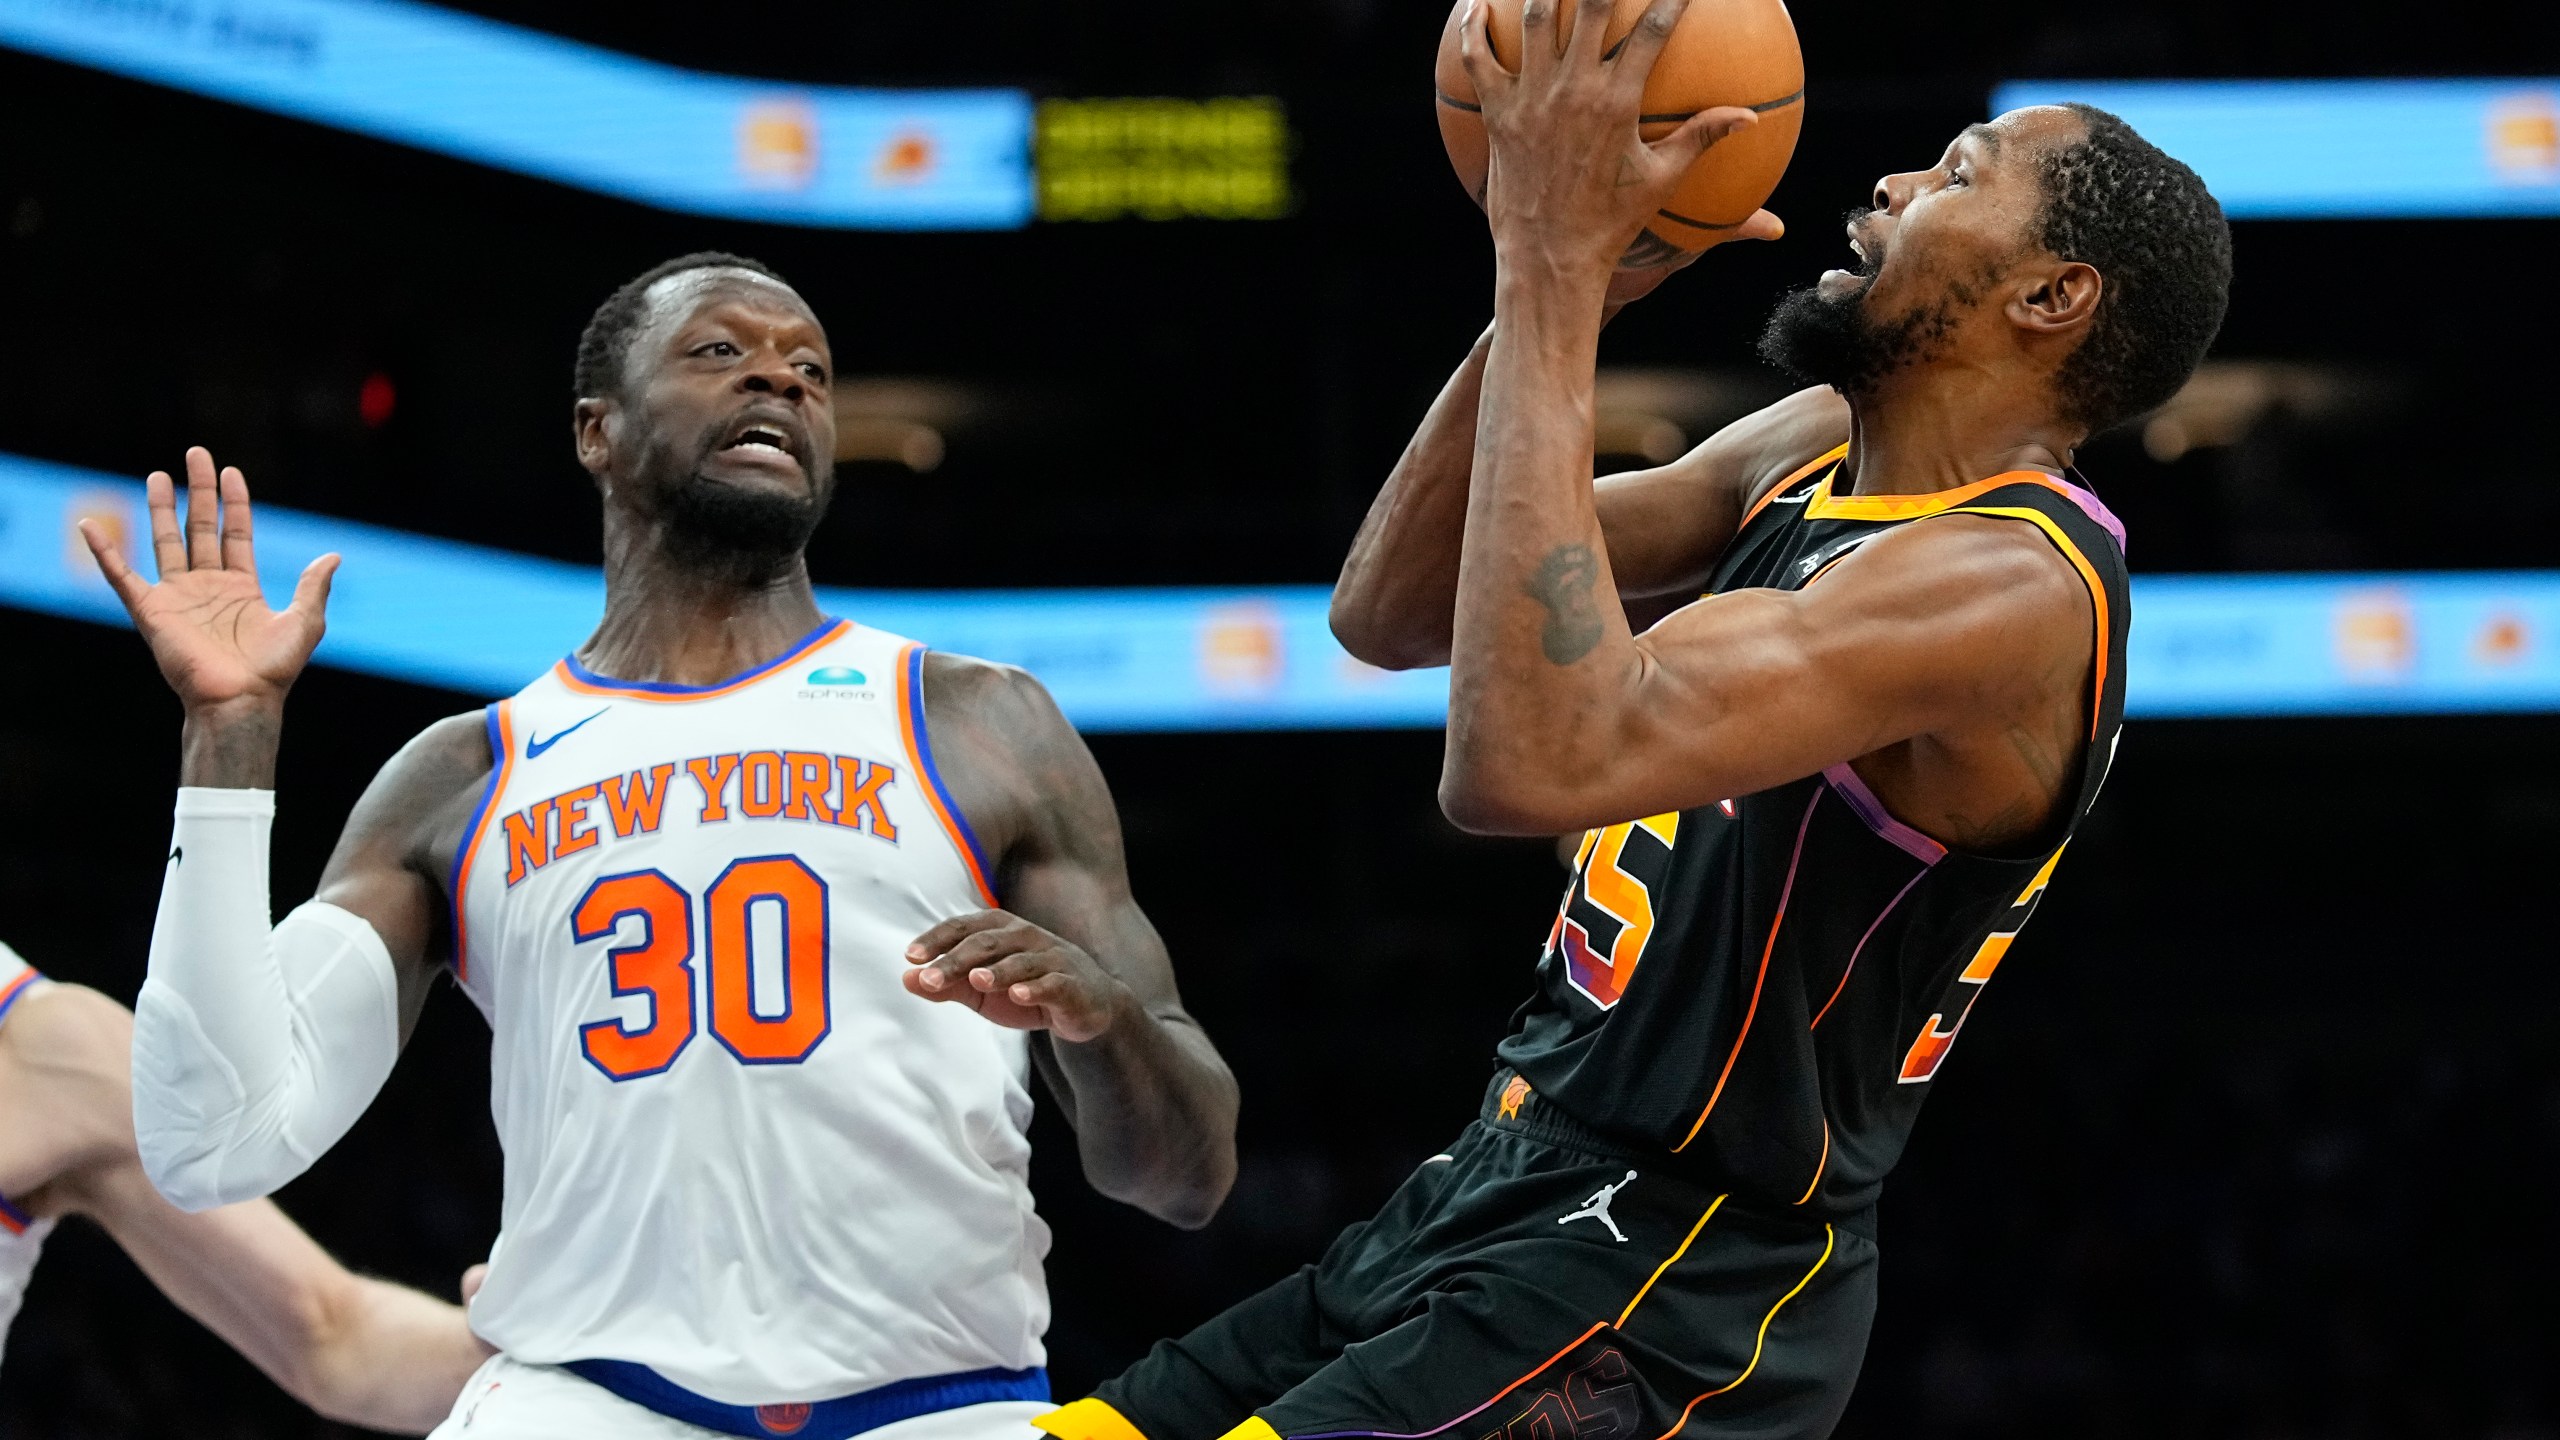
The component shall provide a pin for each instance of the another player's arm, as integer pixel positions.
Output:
(356, 1350)
(259, 1044)
(1071, 957)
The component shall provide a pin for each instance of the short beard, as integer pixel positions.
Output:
(1831, 340)
(752, 537)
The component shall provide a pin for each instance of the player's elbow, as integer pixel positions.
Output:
(1193, 1198)
(320, 1322)
(1367, 632)
(1486, 799)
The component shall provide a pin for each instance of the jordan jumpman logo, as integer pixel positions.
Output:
(1597, 1208)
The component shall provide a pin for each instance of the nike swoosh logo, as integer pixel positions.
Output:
(177, 854)
(534, 745)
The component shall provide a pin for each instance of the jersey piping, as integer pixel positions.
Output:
(13, 1220)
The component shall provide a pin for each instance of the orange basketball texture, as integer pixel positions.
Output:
(1723, 52)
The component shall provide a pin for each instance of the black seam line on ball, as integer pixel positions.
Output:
(1698, 224)
(1454, 103)
(1781, 103)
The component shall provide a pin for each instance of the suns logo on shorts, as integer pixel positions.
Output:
(1512, 1095)
(782, 1419)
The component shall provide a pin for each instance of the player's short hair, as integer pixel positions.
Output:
(605, 344)
(2156, 235)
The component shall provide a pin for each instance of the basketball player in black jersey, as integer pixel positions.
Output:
(1819, 802)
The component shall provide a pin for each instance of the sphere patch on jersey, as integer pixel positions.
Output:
(838, 675)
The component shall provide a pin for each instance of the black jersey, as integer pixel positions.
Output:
(1758, 991)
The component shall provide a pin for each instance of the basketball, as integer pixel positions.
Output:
(1723, 52)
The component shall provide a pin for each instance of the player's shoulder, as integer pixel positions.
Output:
(69, 1039)
(1004, 699)
(1774, 445)
(1989, 570)
(419, 793)
(451, 754)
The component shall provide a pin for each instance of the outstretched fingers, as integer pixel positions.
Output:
(1699, 133)
(129, 587)
(1589, 42)
(1643, 45)
(237, 551)
(168, 547)
(204, 509)
(311, 592)
(1475, 50)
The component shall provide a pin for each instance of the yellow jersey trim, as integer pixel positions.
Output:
(1089, 1419)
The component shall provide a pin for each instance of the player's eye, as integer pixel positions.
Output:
(816, 373)
(717, 347)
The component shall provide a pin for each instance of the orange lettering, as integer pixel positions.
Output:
(760, 784)
(712, 773)
(811, 779)
(862, 808)
(528, 840)
(577, 832)
(634, 800)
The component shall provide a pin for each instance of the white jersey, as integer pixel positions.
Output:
(21, 1234)
(738, 1152)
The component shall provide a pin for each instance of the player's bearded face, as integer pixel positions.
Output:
(754, 530)
(1829, 334)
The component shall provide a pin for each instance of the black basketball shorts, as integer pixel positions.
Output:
(1517, 1289)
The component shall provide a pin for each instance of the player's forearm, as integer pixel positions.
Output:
(1155, 1114)
(1398, 591)
(387, 1358)
(1538, 634)
(255, 1047)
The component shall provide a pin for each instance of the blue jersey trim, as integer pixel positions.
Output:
(471, 832)
(17, 990)
(817, 1419)
(17, 1220)
(798, 648)
(932, 773)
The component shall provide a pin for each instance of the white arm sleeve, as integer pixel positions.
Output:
(253, 1049)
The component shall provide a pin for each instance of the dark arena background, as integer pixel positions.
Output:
(2258, 1133)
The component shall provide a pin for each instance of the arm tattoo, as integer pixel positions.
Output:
(1563, 585)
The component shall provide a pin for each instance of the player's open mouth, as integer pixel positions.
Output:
(763, 440)
(759, 437)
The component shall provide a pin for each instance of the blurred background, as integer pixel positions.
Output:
(2255, 1136)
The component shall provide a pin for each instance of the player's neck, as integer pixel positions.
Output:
(674, 623)
(1944, 427)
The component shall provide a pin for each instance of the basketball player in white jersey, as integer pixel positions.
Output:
(357, 1350)
(729, 884)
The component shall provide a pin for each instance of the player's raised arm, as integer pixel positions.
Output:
(1396, 599)
(1964, 628)
(255, 1046)
(1071, 955)
(354, 1349)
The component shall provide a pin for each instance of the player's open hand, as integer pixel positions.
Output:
(1573, 179)
(1016, 974)
(218, 642)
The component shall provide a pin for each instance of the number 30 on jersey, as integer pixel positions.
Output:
(660, 964)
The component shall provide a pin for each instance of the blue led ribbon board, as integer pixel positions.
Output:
(521, 100)
(2343, 149)
(484, 622)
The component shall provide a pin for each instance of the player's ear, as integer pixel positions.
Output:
(2057, 301)
(593, 436)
